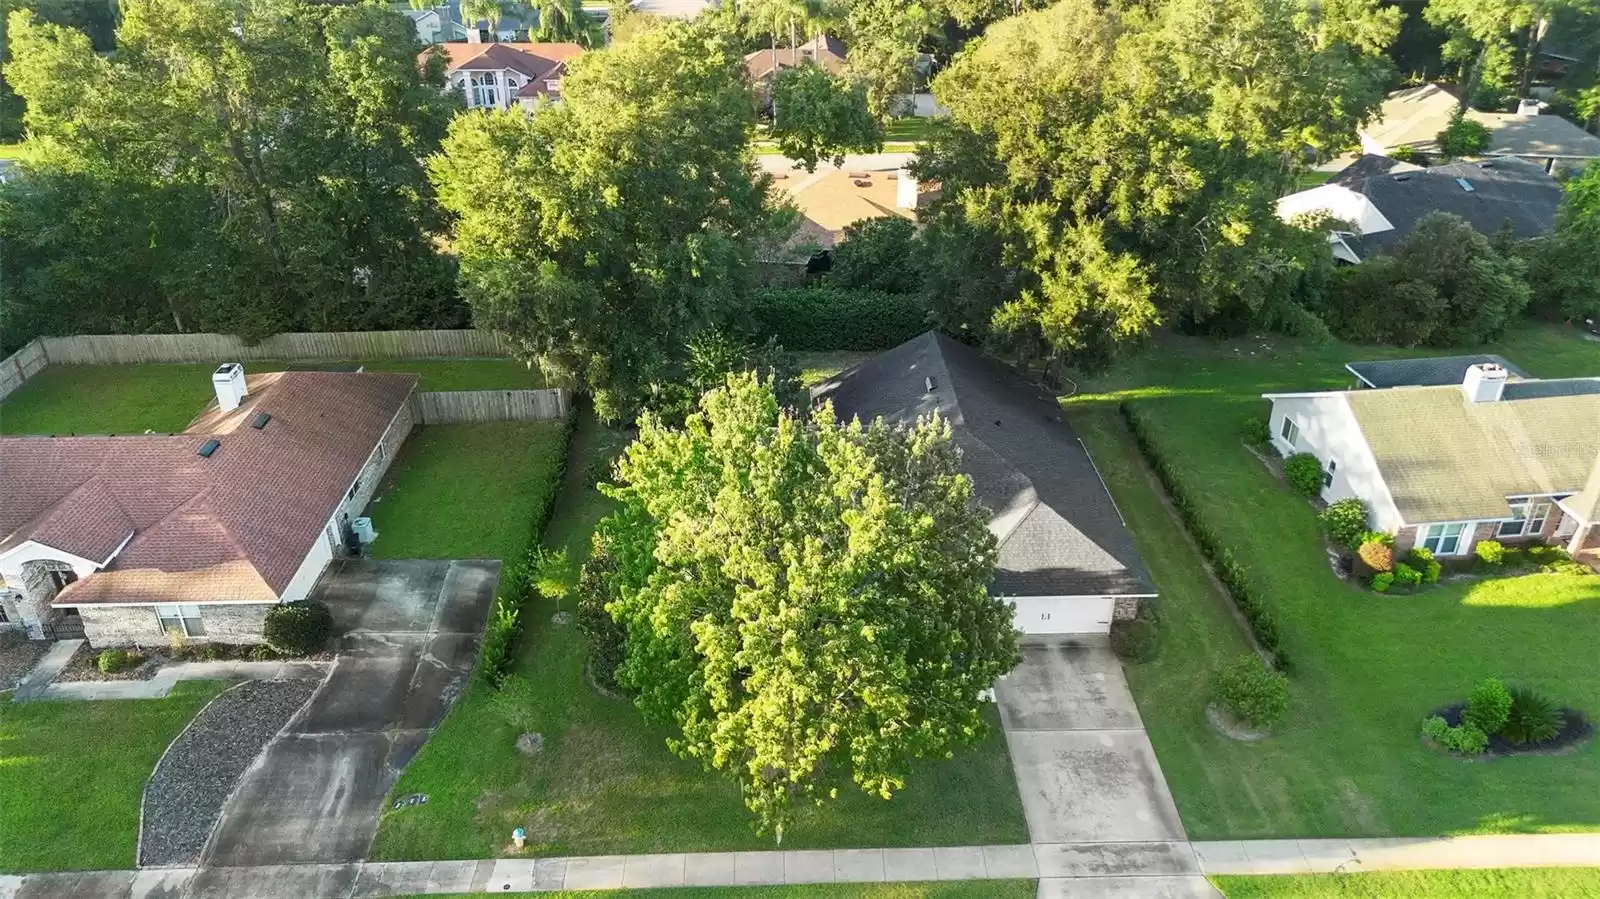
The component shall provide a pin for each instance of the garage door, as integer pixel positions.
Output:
(1064, 614)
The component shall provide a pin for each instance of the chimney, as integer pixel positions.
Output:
(905, 190)
(474, 36)
(228, 381)
(1484, 382)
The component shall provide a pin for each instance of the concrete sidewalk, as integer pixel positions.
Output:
(164, 680)
(44, 671)
(1555, 850)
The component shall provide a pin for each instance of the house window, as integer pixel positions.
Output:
(484, 92)
(1527, 517)
(1327, 473)
(1289, 432)
(353, 488)
(1444, 539)
(182, 620)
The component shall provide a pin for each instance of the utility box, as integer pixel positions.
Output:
(228, 382)
(362, 528)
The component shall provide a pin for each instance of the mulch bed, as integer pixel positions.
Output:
(82, 666)
(1575, 731)
(18, 655)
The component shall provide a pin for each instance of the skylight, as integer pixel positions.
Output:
(207, 448)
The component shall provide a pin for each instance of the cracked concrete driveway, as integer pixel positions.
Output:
(1084, 766)
(411, 631)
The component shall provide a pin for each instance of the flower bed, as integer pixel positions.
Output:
(1576, 729)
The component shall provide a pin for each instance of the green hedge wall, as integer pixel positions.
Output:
(832, 318)
(1232, 574)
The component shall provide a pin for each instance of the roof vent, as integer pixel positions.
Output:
(1486, 165)
(1404, 177)
(928, 383)
(261, 419)
(207, 448)
(1465, 185)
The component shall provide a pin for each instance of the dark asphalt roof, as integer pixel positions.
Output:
(1432, 372)
(1533, 390)
(1503, 191)
(1060, 534)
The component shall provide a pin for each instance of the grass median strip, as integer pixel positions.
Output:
(1528, 883)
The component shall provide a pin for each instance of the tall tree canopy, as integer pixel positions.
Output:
(804, 601)
(267, 152)
(1128, 159)
(818, 116)
(1565, 271)
(602, 233)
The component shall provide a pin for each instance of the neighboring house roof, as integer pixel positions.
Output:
(831, 200)
(1059, 532)
(1384, 203)
(234, 526)
(1431, 372)
(674, 9)
(1413, 117)
(534, 60)
(1446, 458)
(824, 50)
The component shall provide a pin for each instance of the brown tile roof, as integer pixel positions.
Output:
(831, 200)
(826, 51)
(260, 501)
(535, 60)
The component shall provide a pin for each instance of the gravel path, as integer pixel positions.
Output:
(190, 785)
(17, 657)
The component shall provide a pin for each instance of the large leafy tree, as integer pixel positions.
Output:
(804, 601)
(820, 116)
(1565, 270)
(1127, 159)
(602, 233)
(291, 132)
(883, 36)
(1489, 33)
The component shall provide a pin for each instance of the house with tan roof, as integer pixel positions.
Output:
(504, 75)
(822, 50)
(137, 539)
(1450, 451)
(1412, 118)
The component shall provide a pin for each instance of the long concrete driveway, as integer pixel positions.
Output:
(411, 632)
(1098, 809)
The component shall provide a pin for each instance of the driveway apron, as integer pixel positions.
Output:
(411, 632)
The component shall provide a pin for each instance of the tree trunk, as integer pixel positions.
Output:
(1470, 87)
(1530, 60)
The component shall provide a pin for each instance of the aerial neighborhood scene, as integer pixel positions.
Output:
(800, 449)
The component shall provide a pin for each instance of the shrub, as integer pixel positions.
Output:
(1377, 555)
(1468, 739)
(831, 318)
(878, 254)
(1532, 717)
(494, 660)
(298, 628)
(1421, 558)
(1405, 154)
(1544, 554)
(1567, 567)
(1382, 581)
(1490, 552)
(1407, 577)
(1257, 431)
(1134, 640)
(1488, 705)
(1251, 692)
(1435, 728)
(1346, 522)
(607, 639)
(1463, 137)
(110, 661)
(1304, 473)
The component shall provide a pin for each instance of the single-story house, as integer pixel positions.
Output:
(504, 75)
(137, 539)
(1413, 118)
(1446, 452)
(823, 50)
(1381, 200)
(1066, 558)
(434, 26)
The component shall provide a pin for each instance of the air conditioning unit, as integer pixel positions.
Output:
(362, 528)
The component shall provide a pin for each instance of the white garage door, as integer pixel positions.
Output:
(1064, 614)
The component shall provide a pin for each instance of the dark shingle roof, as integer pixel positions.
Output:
(1432, 372)
(1504, 191)
(1059, 532)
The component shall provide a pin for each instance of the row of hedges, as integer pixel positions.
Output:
(832, 318)
(1228, 569)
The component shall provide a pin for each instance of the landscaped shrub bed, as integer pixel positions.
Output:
(831, 318)
(1499, 721)
(1228, 569)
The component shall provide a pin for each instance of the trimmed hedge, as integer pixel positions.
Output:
(833, 318)
(1228, 568)
(298, 628)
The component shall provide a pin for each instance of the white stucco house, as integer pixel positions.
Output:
(138, 539)
(1449, 451)
(505, 75)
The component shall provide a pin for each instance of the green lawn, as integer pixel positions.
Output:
(1308, 180)
(72, 773)
(469, 491)
(605, 782)
(130, 399)
(980, 889)
(1368, 668)
(10, 151)
(1530, 883)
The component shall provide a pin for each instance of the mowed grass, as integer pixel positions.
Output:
(72, 774)
(468, 491)
(1367, 668)
(1495, 883)
(605, 782)
(977, 889)
(130, 399)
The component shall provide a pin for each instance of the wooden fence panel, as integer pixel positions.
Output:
(20, 366)
(462, 406)
(332, 346)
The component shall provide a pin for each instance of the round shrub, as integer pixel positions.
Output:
(1406, 577)
(1377, 555)
(1304, 473)
(1257, 431)
(1532, 717)
(1251, 692)
(1468, 739)
(1134, 640)
(1345, 521)
(1382, 581)
(1421, 558)
(110, 661)
(298, 628)
(1488, 706)
(1490, 552)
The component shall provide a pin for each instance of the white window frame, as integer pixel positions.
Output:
(1328, 473)
(181, 618)
(1528, 516)
(483, 90)
(1434, 537)
(1289, 431)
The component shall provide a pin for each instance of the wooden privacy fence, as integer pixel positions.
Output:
(331, 346)
(20, 366)
(461, 406)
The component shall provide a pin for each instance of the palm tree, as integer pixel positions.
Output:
(474, 11)
(563, 20)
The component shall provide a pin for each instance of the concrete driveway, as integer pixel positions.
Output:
(411, 632)
(1084, 766)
